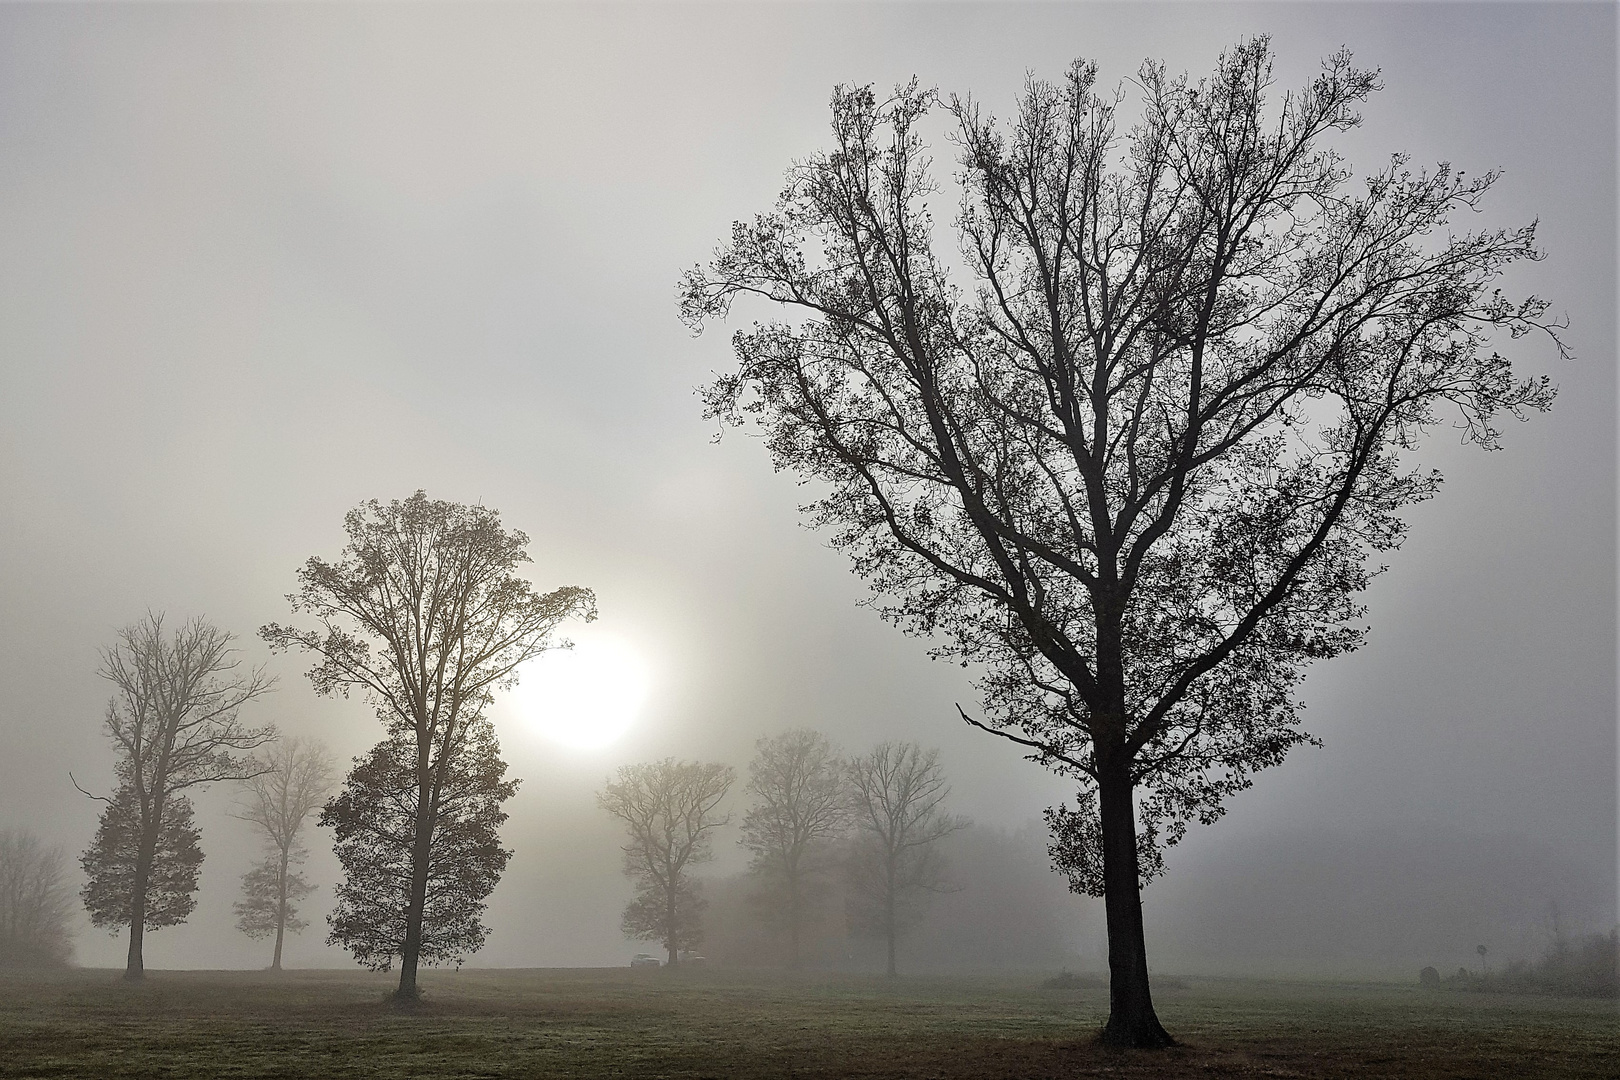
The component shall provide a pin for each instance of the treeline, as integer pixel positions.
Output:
(852, 843)
(1001, 907)
(1571, 967)
(425, 616)
(36, 903)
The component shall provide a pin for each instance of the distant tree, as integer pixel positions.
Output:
(899, 790)
(800, 806)
(35, 902)
(297, 780)
(1137, 470)
(426, 615)
(668, 807)
(174, 723)
(374, 819)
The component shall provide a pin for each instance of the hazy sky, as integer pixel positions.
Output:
(258, 264)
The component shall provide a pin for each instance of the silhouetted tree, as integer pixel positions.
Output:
(174, 723)
(426, 615)
(374, 819)
(173, 865)
(1135, 472)
(898, 792)
(296, 782)
(35, 902)
(669, 809)
(800, 806)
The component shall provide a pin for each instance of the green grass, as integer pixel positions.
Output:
(650, 1023)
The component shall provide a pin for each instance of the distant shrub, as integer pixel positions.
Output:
(1586, 968)
(1429, 977)
(1068, 980)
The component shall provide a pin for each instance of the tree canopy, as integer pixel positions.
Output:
(374, 822)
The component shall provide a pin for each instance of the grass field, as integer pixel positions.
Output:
(652, 1023)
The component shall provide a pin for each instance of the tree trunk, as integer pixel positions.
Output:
(672, 942)
(889, 927)
(795, 961)
(135, 964)
(281, 908)
(1131, 1019)
(421, 854)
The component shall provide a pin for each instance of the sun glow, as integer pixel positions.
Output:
(585, 697)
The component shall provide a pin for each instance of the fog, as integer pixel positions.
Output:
(263, 263)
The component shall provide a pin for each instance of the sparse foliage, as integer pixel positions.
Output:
(1140, 470)
(899, 793)
(296, 781)
(800, 806)
(175, 724)
(35, 903)
(669, 808)
(426, 615)
(374, 820)
(269, 904)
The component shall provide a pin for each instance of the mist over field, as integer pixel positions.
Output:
(264, 263)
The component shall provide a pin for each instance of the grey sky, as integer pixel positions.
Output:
(262, 263)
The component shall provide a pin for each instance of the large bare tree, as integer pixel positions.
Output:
(800, 806)
(1140, 466)
(35, 902)
(296, 781)
(669, 808)
(426, 615)
(899, 792)
(175, 724)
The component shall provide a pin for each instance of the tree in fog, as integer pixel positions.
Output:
(175, 725)
(1138, 470)
(296, 782)
(425, 614)
(373, 816)
(173, 866)
(800, 805)
(669, 809)
(35, 902)
(898, 794)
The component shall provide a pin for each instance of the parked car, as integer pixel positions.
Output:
(693, 959)
(642, 959)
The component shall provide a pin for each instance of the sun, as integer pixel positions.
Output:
(585, 697)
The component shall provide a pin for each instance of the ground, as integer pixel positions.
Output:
(655, 1023)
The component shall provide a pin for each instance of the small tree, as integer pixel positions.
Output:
(374, 820)
(899, 789)
(1140, 466)
(35, 902)
(174, 863)
(426, 615)
(174, 723)
(669, 809)
(296, 782)
(800, 806)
